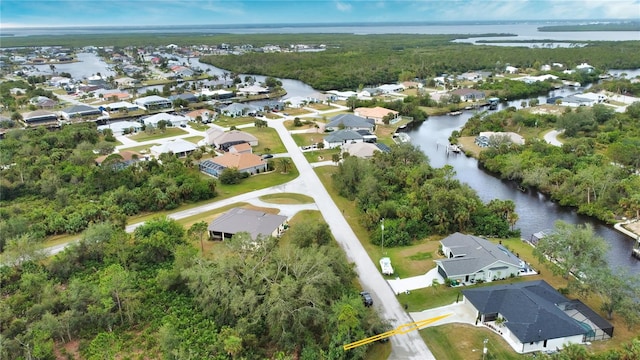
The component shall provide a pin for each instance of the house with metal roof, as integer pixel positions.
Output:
(122, 127)
(467, 94)
(342, 137)
(350, 122)
(173, 120)
(153, 102)
(39, 117)
(533, 316)
(238, 109)
(79, 111)
(471, 259)
(178, 147)
(256, 223)
(364, 150)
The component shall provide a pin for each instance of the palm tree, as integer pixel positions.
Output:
(285, 165)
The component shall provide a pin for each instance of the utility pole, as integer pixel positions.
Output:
(382, 227)
(484, 349)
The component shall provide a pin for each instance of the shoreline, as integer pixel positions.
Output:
(634, 233)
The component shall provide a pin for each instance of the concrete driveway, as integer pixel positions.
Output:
(460, 313)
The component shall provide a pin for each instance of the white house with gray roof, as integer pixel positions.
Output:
(342, 137)
(350, 122)
(535, 317)
(473, 259)
(256, 223)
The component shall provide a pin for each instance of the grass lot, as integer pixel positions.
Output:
(296, 111)
(289, 125)
(301, 217)
(306, 139)
(272, 116)
(320, 155)
(227, 121)
(465, 342)
(320, 107)
(287, 198)
(157, 134)
(194, 139)
(143, 149)
(198, 126)
(267, 138)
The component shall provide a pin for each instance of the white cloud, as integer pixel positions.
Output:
(344, 7)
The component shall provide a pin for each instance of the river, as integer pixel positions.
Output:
(535, 210)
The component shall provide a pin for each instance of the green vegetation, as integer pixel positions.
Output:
(287, 198)
(55, 186)
(118, 295)
(594, 169)
(618, 26)
(465, 342)
(416, 200)
(268, 140)
(155, 134)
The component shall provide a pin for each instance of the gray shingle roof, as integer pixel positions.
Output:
(472, 253)
(342, 135)
(245, 220)
(529, 308)
(349, 121)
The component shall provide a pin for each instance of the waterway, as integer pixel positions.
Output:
(536, 212)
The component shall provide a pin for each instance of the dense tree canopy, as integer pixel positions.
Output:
(50, 183)
(414, 199)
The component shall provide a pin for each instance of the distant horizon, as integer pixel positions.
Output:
(329, 23)
(20, 14)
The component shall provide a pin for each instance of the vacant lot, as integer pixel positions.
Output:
(157, 134)
(268, 140)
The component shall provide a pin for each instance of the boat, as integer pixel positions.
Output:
(401, 138)
(455, 113)
(636, 250)
(457, 149)
(385, 265)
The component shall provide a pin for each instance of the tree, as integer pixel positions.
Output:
(197, 231)
(21, 249)
(162, 126)
(618, 292)
(284, 165)
(230, 176)
(575, 249)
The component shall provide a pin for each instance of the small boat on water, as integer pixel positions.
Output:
(455, 113)
(456, 149)
(636, 250)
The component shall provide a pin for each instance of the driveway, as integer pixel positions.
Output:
(552, 137)
(460, 313)
(416, 282)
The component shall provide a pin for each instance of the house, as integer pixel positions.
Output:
(121, 106)
(511, 69)
(241, 148)
(205, 115)
(585, 67)
(341, 137)
(533, 316)
(485, 137)
(350, 122)
(178, 147)
(268, 105)
(391, 88)
(238, 109)
(578, 100)
(223, 140)
(473, 259)
(470, 76)
(533, 79)
(363, 150)
(297, 101)
(216, 94)
(252, 90)
(39, 117)
(126, 82)
(122, 127)
(467, 94)
(256, 223)
(245, 162)
(377, 113)
(79, 111)
(43, 102)
(153, 102)
(59, 81)
(171, 120)
(185, 96)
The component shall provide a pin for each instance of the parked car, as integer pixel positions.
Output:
(267, 156)
(366, 298)
(183, 125)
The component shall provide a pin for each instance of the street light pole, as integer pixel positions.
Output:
(382, 227)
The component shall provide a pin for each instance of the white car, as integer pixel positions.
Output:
(385, 264)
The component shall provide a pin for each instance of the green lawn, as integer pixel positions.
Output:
(311, 125)
(194, 139)
(227, 121)
(320, 155)
(287, 198)
(198, 126)
(157, 134)
(257, 182)
(142, 148)
(267, 139)
(306, 139)
(320, 107)
(465, 342)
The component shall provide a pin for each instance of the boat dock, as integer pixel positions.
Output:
(400, 138)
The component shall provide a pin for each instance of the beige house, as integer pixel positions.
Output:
(377, 113)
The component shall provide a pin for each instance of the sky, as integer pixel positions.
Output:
(67, 13)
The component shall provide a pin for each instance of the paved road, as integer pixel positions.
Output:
(552, 137)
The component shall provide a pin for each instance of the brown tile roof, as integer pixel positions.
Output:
(376, 112)
(240, 161)
(242, 147)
